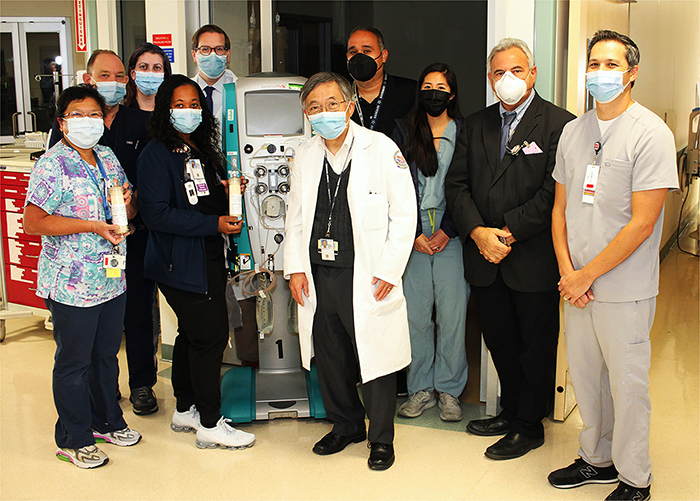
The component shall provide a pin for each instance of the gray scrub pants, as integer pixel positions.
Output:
(437, 280)
(609, 355)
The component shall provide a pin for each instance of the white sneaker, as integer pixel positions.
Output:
(185, 422)
(85, 457)
(417, 403)
(450, 409)
(123, 438)
(223, 435)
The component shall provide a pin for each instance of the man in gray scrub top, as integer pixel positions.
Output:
(615, 165)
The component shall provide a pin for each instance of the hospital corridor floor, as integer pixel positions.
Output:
(434, 460)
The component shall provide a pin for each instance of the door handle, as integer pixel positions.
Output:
(15, 123)
(31, 114)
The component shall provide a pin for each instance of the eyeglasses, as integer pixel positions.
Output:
(78, 114)
(329, 106)
(205, 50)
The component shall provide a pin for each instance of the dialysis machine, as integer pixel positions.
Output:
(263, 125)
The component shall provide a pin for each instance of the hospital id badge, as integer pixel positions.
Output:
(590, 182)
(328, 248)
(194, 167)
(114, 264)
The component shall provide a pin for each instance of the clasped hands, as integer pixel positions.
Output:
(489, 244)
(575, 288)
(430, 245)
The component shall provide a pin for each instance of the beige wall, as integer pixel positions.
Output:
(667, 34)
(50, 8)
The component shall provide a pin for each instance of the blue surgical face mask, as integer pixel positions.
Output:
(83, 132)
(329, 124)
(112, 92)
(605, 85)
(186, 120)
(148, 81)
(212, 65)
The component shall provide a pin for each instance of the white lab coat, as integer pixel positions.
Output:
(382, 203)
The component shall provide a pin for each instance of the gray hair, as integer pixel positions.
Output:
(509, 43)
(322, 78)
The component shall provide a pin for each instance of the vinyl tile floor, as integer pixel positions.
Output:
(434, 460)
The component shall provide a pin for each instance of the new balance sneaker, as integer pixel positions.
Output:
(449, 407)
(223, 436)
(417, 403)
(123, 438)
(144, 401)
(185, 422)
(581, 473)
(85, 457)
(626, 492)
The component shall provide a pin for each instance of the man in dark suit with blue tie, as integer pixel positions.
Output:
(500, 192)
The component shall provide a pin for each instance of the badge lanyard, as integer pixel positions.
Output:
(337, 186)
(377, 107)
(590, 180)
(105, 205)
(112, 271)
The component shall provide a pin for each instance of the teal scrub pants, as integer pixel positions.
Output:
(437, 280)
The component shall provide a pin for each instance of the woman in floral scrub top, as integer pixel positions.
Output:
(67, 205)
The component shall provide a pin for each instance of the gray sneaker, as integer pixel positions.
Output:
(449, 407)
(85, 457)
(417, 403)
(123, 438)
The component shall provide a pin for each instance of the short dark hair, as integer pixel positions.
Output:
(138, 52)
(373, 31)
(631, 49)
(95, 54)
(79, 93)
(210, 28)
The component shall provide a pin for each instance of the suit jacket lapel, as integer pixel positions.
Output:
(492, 138)
(522, 133)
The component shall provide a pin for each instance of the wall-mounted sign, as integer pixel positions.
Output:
(170, 53)
(163, 40)
(80, 27)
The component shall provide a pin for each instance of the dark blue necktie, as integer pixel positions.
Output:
(208, 91)
(508, 118)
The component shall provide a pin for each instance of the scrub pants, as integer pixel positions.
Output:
(139, 326)
(202, 335)
(437, 280)
(85, 370)
(609, 355)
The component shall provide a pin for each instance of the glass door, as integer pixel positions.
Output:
(36, 66)
(10, 83)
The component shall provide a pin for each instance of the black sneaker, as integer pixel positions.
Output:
(581, 473)
(144, 401)
(628, 493)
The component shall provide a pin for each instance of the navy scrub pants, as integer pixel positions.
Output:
(139, 325)
(86, 369)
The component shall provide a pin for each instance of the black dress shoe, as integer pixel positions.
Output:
(512, 446)
(488, 427)
(381, 457)
(332, 443)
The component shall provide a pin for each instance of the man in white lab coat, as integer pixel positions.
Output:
(349, 233)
